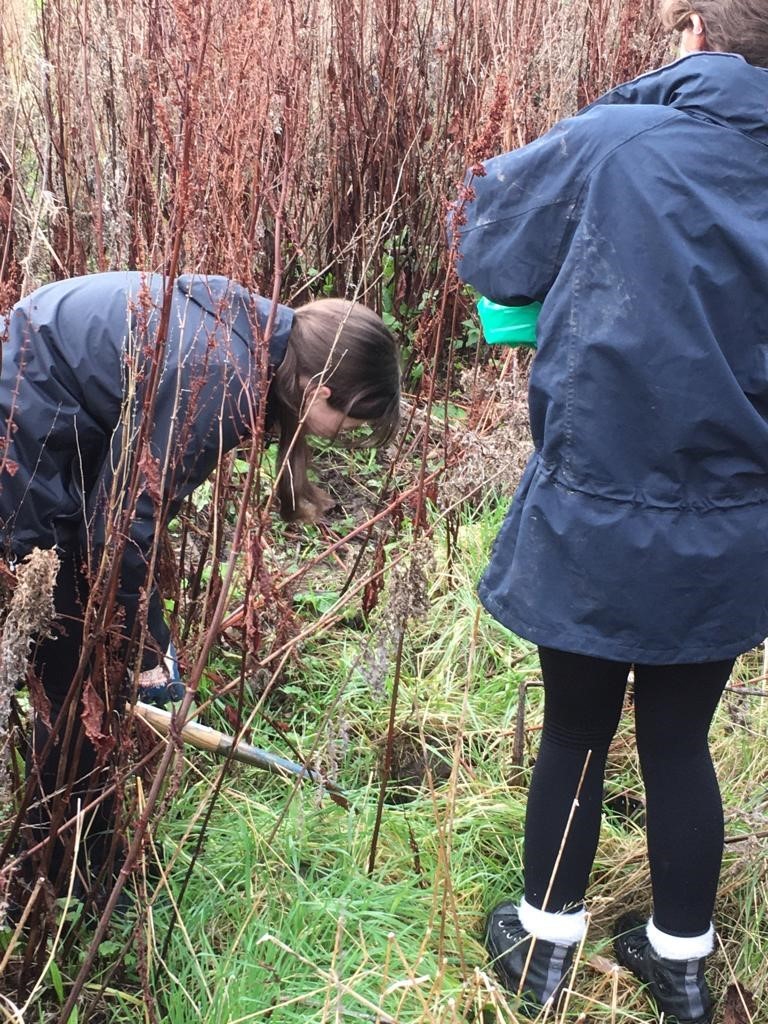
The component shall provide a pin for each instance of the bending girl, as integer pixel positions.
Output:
(109, 424)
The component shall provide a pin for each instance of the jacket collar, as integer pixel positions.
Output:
(721, 88)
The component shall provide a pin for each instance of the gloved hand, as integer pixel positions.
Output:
(163, 684)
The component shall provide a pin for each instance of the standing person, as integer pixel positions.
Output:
(108, 428)
(637, 536)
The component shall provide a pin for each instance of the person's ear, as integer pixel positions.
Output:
(310, 389)
(694, 37)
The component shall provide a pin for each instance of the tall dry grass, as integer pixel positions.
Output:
(298, 147)
(281, 138)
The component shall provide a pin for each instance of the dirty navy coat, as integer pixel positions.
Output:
(76, 363)
(639, 531)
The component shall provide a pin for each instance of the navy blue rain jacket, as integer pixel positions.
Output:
(75, 367)
(639, 531)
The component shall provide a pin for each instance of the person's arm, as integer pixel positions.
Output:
(200, 412)
(515, 226)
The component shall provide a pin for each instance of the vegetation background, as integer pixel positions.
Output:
(310, 148)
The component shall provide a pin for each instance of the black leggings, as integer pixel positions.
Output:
(69, 776)
(674, 705)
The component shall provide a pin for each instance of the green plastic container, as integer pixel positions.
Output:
(508, 325)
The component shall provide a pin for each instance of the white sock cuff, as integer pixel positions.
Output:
(564, 929)
(677, 947)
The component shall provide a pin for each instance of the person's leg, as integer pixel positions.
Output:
(674, 706)
(583, 699)
(533, 944)
(63, 772)
(54, 663)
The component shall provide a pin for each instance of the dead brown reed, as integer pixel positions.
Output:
(298, 147)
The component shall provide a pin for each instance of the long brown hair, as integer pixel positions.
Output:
(732, 26)
(346, 347)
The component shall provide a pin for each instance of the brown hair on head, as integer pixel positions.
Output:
(732, 26)
(346, 347)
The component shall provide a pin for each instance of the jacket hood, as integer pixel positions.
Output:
(216, 294)
(721, 88)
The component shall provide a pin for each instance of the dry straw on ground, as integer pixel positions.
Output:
(303, 148)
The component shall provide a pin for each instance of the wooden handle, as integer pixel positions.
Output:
(200, 736)
(205, 738)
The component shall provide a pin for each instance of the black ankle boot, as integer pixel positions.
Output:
(678, 986)
(510, 944)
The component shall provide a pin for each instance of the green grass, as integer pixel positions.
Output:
(282, 921)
